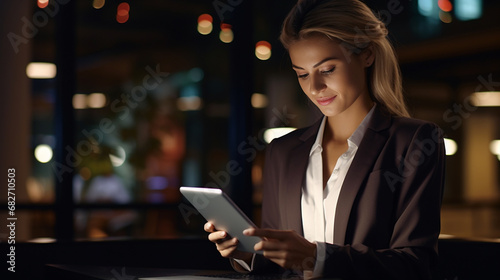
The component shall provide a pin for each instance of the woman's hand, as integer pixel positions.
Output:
(225, 244)
(286, 248)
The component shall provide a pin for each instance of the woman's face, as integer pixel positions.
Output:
(333, 78)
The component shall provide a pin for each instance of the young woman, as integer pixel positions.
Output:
(357, 195)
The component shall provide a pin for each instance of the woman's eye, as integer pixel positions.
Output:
(302, 76)
(328, 71)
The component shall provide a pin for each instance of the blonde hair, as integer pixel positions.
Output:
(356, 28)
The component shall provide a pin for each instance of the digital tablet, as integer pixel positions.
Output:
(216, 207)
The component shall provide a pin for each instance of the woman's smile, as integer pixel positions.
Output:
(324, 101)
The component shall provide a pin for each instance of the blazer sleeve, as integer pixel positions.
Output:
(412, 251)
(270, 208)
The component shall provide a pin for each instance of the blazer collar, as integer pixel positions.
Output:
(311, 131)
(381, 120)
(368, 151)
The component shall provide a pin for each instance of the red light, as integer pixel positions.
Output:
(42, 3)
(122, 19)
(205, 17)
(124, 7)
(445, 5)
(225, 26)
(122, 12)
(263, 44)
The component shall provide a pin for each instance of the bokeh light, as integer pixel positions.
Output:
(122, 12)
(79, 101)
(263, 50)
(196, 74)
(445, 17)
(42, 3)
(43, 153)
(495, 147)
(205, 24)
(486, 98)
(191, 103)
(96, 100)
(118, 157)
(226, 34)
(450, 146)
(41, 70)
(259, 100)
(445, 5)
(98, 4)
(468, 9)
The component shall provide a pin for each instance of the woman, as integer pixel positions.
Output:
(357, 195)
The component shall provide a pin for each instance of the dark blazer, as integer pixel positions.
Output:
(388, 213)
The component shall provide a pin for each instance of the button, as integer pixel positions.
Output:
(335, 171)
(344, 155)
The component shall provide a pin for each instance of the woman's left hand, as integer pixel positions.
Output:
(285, 247)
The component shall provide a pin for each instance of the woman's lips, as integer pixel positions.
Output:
(325, 101)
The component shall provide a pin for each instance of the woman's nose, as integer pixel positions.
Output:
(317, 85)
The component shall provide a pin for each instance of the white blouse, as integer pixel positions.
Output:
(318, 205)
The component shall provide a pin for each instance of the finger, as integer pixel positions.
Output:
(269, 245)
(209, 227)
(269, 233)
(217, 236)
(276, 255)
(228, 247)
(227, 244)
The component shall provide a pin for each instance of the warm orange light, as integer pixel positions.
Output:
(96, 100)
(98, 4)
(205, 17)
(80, 101)
(42, 3)
(205, 24)
(263, 50)
(486, 99)
(205, 29)
(259, 100)
(226, 34)
(445, 5)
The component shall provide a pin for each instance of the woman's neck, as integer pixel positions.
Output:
(340, 127)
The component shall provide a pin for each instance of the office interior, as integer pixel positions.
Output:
(109, 106)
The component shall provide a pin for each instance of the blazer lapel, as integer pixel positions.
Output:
(292, 186)
(361, 166)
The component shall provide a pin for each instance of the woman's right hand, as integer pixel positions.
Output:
(226, 245)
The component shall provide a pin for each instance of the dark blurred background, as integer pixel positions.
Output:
(151, 95)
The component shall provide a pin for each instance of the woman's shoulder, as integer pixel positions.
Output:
(410, 122)
(413, 127)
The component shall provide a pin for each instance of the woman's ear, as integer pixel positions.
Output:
(368, 56)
